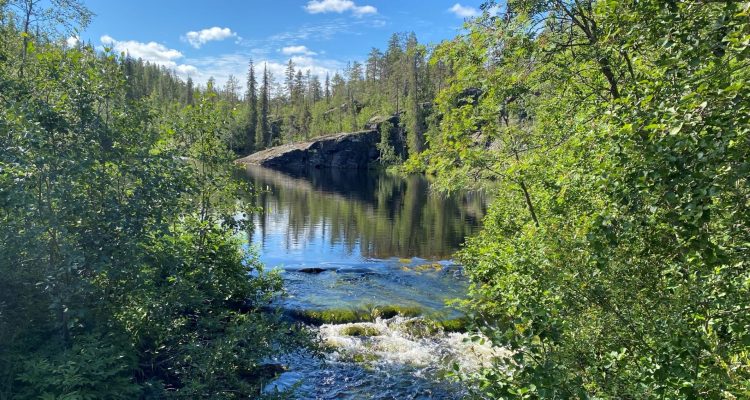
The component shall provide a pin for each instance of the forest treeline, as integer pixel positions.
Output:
(273, 110)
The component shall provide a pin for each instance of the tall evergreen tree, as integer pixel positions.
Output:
(327, 92)
(231, 88)
(263, 136)
(393, 70)
(289, 80)
(315, 89)
(415, 115)
(251, 99)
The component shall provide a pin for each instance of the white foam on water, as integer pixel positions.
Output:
(407, 341)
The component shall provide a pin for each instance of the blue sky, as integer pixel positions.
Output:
(218, 38)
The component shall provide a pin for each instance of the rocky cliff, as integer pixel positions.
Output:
(355, 150)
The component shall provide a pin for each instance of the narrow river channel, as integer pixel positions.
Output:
(369, 243)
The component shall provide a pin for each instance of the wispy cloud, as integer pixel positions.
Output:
(186, 70)
(464, 11)
(203, 36)
(319, 31)
(339, 6)
(290, 50)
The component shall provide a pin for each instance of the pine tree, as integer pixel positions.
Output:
(299, 89)
(416, 120)
(289, 80)
(316, 92)
(374, 74)
(327, 92)
(373, 66)
(251, 98)
(393, 70)
(264, 133)
(231, 87)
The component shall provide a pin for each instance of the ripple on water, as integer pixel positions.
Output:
(403, 358)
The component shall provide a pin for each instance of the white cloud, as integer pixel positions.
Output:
(186, 70)
(289, 50)
(464, 11)
(338, 6)
(203, 36)
(153, 52)
(72, 41)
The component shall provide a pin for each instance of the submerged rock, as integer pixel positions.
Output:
(312, 270)
(391, 311)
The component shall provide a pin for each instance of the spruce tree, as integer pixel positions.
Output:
(289, 80)
(264, 133)
(327, 92)
(251, 98)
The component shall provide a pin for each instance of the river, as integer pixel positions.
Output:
(363, 243)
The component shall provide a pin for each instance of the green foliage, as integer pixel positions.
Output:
(388, 154)
(613, 262)
(123, 274)
(95, 367)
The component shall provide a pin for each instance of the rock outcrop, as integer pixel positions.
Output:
(355, 150)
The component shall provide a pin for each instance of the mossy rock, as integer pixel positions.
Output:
(391, 311)
(332, 316)
(364, 357)
(419, 327)
(348, 315)
(360, 330)
(429, 267)
(455, 324)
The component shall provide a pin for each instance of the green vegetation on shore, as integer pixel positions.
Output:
(121, 273)
(615, 137)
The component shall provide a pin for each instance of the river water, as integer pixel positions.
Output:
(361, 241)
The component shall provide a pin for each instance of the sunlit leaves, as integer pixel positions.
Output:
(636, 146)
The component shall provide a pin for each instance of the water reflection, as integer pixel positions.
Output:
(342, 215)
(360, 239)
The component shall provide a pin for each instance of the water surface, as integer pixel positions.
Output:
(360, 239)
